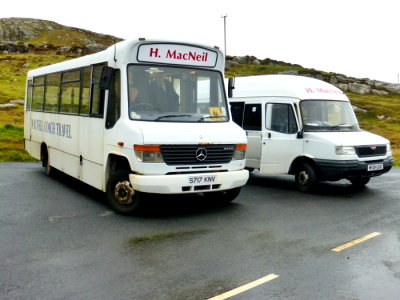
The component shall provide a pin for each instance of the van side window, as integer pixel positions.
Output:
(281, 118)
(237, 112)
(252, 117)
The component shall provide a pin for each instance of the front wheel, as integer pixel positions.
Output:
(359, 182)
(305, 177)
(121, 197)
(223, 197)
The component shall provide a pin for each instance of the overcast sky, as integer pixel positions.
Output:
(357, 38)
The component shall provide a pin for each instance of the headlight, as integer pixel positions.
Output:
(345, 150)
(240, 152)
(148, 153)
(388, 149)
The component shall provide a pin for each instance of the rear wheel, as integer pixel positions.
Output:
(224, 197)
(305, 177)
(46, 162)
(121, 197)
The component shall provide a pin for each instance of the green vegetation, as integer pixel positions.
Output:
(12, 144)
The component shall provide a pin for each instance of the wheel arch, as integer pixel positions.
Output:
(300, 160)
(114, 163)
(44, 153)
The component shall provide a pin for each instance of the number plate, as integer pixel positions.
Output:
(375, 167)
(202, 179)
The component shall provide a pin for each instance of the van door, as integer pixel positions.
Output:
(280, 145)
(252, 123)
(249, 117)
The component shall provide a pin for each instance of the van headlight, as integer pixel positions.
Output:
(148, 153)
(240, 152)
(345, 150)
(388, 148)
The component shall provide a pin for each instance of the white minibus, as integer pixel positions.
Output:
(143, 116)
(305, 127)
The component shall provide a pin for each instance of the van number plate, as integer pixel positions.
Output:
(375, 167)
(202, 179)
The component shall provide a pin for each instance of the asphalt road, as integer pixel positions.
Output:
(59, 240)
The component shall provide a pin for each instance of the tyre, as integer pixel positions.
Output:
(46, 163)
(305, 177)
(359, 182)
(121, 197)
(223, 197)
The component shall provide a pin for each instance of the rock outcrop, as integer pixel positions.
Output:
(31, 35)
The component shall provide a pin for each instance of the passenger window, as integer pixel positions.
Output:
(281, 118)
(70, 91)
(38, 93)
(114, 101)
(97, 93)
(85, 91)
(52, 92)
(252, 117)
(29, 95)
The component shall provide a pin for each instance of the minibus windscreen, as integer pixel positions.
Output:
(175, 94)
(328, 115)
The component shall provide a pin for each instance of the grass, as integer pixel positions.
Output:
(12, 144)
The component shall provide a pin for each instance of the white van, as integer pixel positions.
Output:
(305, 127)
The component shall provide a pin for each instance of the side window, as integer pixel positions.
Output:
(52, 92)
(85, 91)
(237, 112)
(280, 118)
(96, 108)
(114, 100)
(38, 93)
(70, 91)
(29, 95)
(252, 117)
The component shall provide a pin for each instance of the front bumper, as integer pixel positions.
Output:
(187, 183)
(340, 169)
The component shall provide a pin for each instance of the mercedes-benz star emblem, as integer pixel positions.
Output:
(201, 154)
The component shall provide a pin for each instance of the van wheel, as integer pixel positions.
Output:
(121, 197)
(359, 182)
(305, 177)
(224, 197)
(46, 163)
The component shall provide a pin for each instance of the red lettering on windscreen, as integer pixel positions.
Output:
(191, 56)
(154, 52)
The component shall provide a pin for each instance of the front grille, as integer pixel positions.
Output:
(194, 154)
(366, 151)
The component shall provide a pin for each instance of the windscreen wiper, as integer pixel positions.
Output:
(171, 116)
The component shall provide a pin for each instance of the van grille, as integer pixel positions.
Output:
(197, 154)
(365, 151)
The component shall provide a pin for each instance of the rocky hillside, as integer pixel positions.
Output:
(22, 35)
(31, 35)
(361, 86)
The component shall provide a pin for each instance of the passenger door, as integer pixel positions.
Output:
(280, 145)
(249, 117)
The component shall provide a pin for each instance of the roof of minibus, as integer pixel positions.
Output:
(120, 53)
(299, 87)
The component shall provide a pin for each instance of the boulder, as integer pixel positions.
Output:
(359, 88)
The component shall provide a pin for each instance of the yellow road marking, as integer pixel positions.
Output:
(245, 287)
(356, 241)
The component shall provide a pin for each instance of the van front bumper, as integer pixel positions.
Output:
(189, 183)
(340, 169)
